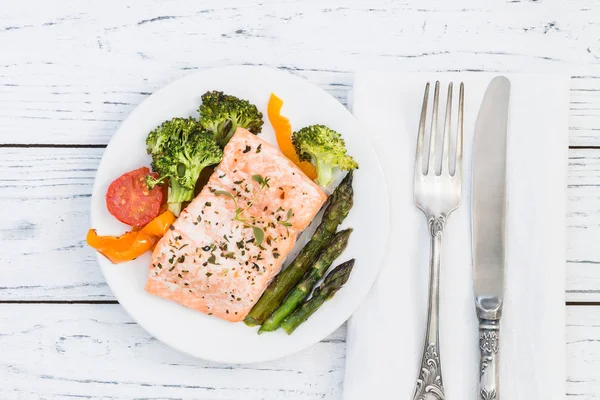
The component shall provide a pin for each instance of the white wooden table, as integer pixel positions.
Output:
(71, 71)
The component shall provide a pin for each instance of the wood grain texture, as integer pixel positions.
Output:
(583, 349)
(48, 192)
(97, 352)
(45, 194)
(70, 72)
(583, 225)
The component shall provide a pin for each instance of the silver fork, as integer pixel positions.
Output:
(437, 193)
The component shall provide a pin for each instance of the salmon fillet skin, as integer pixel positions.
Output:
(210, 260)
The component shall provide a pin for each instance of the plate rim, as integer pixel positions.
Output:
(385, 224)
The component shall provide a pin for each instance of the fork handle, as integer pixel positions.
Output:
(429, 383)
(489, 335)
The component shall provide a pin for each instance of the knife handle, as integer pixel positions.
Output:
(489, 334)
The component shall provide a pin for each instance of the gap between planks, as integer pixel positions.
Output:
(582, 304)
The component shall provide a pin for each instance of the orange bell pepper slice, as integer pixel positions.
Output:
(133, 244)
(160, 225)
(283, 133)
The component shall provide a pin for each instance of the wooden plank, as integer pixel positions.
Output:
(71, 74)
(584, 123)
(47, 192)
(97, 352)
(583, 352)
(583, 226)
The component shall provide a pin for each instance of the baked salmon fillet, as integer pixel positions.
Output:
(212, 259)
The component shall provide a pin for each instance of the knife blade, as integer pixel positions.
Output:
(488, 226)
(489, 192)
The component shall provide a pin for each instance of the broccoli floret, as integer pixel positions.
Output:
(325, 148)
(159, 139)
(222, 114)
(180, 150)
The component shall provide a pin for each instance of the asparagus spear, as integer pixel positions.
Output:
(332, 283)
(340, 203)
(303, 289)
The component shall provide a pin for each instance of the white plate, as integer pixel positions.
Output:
(207, 337)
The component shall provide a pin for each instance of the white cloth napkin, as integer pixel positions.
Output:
(385, 337)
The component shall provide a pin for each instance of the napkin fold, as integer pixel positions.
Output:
(385, 336)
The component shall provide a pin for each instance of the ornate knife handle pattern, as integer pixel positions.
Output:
(488, 347)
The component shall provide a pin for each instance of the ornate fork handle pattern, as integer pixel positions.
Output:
(429, 383)
(436, 225)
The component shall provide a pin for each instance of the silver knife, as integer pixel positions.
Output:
(488, 226)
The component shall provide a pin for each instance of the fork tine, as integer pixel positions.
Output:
(459, 139)
(421, 134)
(433, 135)
(447, 129)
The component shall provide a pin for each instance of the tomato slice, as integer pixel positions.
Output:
(130, 201)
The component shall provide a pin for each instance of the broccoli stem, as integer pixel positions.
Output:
(177, 195)
(175, 208)
(324, 173)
